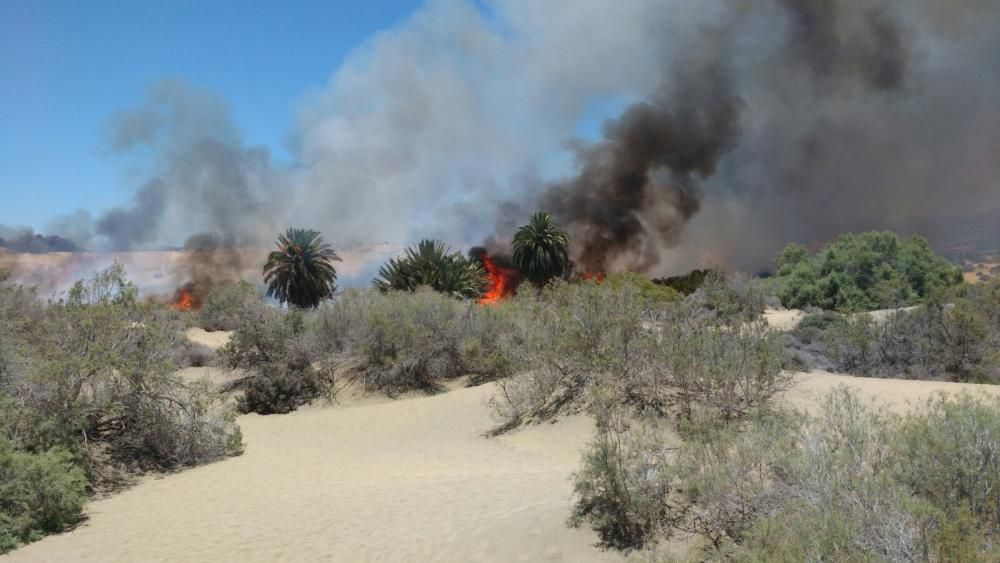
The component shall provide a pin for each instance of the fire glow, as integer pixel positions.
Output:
(500, 282)
(185, 299)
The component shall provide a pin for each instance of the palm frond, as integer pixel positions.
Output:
(540, 249)
(300, 271)
(431, 263)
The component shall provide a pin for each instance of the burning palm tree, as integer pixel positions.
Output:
(300, 272)
(540, 249)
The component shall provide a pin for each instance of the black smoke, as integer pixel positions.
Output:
(638, 186)
(785, 120)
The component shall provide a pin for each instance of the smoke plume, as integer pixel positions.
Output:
(754, 123)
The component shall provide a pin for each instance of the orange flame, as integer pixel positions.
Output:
(185, 300)
(595, 276)
(500, 282)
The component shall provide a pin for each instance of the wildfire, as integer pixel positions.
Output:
(185, 299)
(595, 276)
(501, 282)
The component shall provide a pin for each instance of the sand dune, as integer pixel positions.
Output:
(896, 395)
(370, 480)
(410, 480)
(214, 340)
(788, 319)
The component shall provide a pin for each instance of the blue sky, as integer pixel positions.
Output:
(65, 67)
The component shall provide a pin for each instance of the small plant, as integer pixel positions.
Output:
(40, 493)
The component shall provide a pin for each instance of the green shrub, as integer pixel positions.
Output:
(277, 389)
(863, 272)
(651, 291)
(685, 284)
(40, 493)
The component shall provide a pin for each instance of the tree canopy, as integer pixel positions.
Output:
(300, 272)
(863, 272)
(540, 249)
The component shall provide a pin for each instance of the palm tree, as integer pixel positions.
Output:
(540, 249)
(300, 272)
(431, 263)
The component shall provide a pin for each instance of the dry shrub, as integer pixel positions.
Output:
(624, 485)
(953, 340)
(567, 339)
(95, 374)
(405, 341)
(285, 362)
(708, 352)
(226, 304)
(852, 484)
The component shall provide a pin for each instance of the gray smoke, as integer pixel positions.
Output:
(755, 123)
(202, 177)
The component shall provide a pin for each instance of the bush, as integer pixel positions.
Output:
(687, 283)
(95, 376)
(226, 304)
(707, 352)
(955, 341)
(723, 372)
(567, 339)
(196, 355)
(281, 389)
(726, 476)
(40, 493)
(404, 341)
(952, 449)
(285, 362)
(652, 292)
(624, 485)
(863, 272)
(852, 484)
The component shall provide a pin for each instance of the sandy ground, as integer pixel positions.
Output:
(894, 394)
(783, 319)
(381, 480)
(213, 340)
(982, 271)
(410, 480)
(788, 319)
